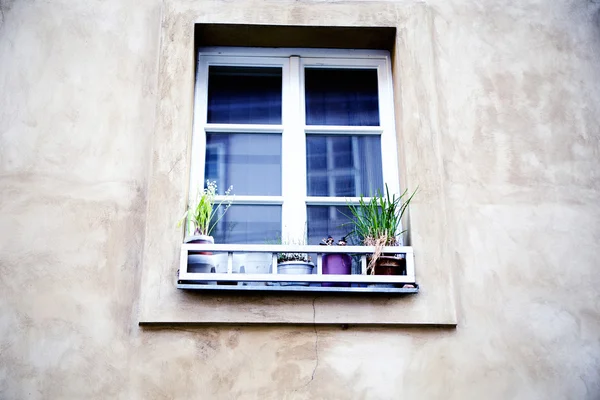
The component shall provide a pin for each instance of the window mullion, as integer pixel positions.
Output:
(294, 157)
(391, 175)
(388, 139)
(198, 140)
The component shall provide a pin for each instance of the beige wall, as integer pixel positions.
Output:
(517, 107)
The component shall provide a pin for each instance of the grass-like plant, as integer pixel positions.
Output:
(202, 212)
(377, 221)
(379, 218)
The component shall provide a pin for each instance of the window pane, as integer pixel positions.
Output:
(249, 224)
(244, 95)
(337, 96)
(324, 221)
(250, 162)
(339, 165)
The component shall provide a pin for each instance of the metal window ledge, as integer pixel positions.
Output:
(300, 289)
(226, 277)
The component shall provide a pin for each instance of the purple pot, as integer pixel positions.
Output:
(336, 264)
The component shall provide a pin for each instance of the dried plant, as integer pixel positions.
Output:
(377, 221)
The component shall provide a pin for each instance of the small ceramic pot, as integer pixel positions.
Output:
(389, 265)
(336, 264)
(256, 263)
(201, 263)
(200, 239)
(295, 268)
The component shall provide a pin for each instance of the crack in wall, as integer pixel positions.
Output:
(312, 376)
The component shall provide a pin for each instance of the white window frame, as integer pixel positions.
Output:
(293, 130)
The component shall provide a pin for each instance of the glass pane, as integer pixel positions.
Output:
(339, 165)
(338, 96)
(324, 221)
(244, 95)
(250, 162)
(249, 224)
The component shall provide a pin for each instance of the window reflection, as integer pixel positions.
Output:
(341, 166)
(249, 162)
(341, 96)
(244, 95)
(249, 224)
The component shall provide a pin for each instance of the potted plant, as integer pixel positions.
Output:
(201, 218)
(294, 263)
(377, 223)
(336, 263)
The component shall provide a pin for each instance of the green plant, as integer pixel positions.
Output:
(377, 221)
(284, 257)
(201, 214)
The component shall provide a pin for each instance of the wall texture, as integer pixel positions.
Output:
(518, 110)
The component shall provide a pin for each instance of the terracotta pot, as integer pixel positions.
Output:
(389, 265)
(336, 264)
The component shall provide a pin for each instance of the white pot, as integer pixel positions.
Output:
(220, 262)
(201, 263)
(249, 263)
(199, 239)
(295, 268)
(255, 263)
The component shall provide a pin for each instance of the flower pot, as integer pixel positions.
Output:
(200, 239)
(256, 263)
(201, 263)
(336, 264)
(389, 265)
(295, 268)
(220, 261)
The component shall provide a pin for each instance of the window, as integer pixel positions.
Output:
(298, 133)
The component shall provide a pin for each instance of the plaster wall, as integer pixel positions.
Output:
(517, 119)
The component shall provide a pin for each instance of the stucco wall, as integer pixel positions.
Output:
(518, 107)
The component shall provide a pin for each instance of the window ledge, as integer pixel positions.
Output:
(301, 289)
(225, 275)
